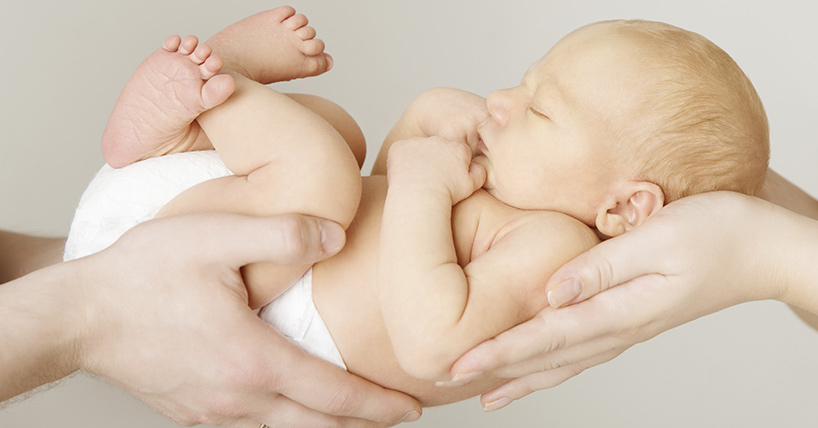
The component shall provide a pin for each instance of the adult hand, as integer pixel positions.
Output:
(163, 313)
(696, 256)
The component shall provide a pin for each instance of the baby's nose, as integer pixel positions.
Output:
(499, 106)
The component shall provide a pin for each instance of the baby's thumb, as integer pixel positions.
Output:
(478, 175)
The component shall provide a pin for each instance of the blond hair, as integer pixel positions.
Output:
(706, 128)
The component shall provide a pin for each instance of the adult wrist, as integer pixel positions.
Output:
(798, 264)
(39, 329)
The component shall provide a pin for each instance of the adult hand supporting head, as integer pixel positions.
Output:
(166, 318)
(696, 256)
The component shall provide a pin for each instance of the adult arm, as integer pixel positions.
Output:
(783, 193)
(695, 257)
(163, 313)
(22, 254)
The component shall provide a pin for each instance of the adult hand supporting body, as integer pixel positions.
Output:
(695, 257)
(163, 313)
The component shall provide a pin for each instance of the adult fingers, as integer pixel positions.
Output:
(549, 331)
(563, 357)
(340, 393)
(616, 319)
(238, 240)
(606, 265)
(286, 413)
(522, 386)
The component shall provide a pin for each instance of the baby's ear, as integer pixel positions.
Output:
(634, 204)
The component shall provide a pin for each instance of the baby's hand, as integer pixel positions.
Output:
(432, 165)
(451, 113)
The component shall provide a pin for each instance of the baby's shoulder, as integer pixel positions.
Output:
(549, 228)
(494, 222)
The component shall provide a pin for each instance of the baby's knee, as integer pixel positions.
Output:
(340, 119)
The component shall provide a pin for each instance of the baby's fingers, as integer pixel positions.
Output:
(478, 175)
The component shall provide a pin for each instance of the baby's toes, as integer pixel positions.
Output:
(315, 65)
(306, 33)
(211, 67)
(172, 43)
(295, 22)
(217, 90)
(189, 44)
(312, 47)
(201, 54)
(281, 13)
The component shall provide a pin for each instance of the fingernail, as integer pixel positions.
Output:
(565, 292)
(411, 416)
(332, 236)
(460, 379)
(496, 404)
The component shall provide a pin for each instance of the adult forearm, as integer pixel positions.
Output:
(783, 193)
(38, 319)
(21, 254)
(797, 263)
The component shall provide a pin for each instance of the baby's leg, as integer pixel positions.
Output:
(260, 132)
(285, 157)
(156, 111)
(340, 119)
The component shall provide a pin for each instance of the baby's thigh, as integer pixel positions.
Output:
(340, 119)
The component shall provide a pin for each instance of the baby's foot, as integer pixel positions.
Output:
(272, 46)
(156, 111)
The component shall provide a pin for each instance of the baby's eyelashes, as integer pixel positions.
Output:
(537, 112)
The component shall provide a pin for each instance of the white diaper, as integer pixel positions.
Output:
(295, 316)
(119, 199)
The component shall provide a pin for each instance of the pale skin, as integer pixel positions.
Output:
(495, 254)
(569, 362)
(100, 313)
(660, 277)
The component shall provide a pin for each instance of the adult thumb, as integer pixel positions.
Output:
(606, 265)
(286, 239)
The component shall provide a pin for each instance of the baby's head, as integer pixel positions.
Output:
(620, 118)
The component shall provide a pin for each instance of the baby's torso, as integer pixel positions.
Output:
(345, 289)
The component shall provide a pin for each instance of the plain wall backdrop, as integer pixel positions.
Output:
(64, 64)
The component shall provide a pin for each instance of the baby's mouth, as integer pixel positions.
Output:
(481, 147)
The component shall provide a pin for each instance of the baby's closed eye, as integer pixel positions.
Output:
(537, 112)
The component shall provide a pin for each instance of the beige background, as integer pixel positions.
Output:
(65, 62)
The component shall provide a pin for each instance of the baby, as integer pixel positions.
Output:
(453, 245)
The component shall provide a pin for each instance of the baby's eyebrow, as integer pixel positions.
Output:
(527, 74)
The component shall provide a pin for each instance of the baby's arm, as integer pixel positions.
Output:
(434, 309)
(442, 112)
